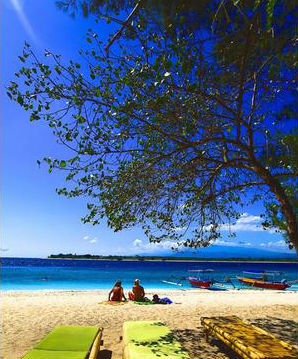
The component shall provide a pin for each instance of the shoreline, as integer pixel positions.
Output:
(103, 291)
(184, 290)
(179, 260)
(175, 260)
(269, 261)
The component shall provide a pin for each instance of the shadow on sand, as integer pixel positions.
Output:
(194, 342)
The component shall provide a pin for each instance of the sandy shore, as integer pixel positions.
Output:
(27, 316)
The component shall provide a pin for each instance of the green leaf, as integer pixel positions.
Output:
(62, 164)
(57, 69)
(20, 100)
(80, 119)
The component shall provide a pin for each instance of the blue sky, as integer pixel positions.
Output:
(35, 220)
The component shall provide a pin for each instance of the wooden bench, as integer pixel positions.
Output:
(247, 340)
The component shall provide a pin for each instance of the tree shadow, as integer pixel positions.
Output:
(194, 342)
(162, 345)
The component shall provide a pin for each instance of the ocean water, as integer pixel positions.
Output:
(44, 274)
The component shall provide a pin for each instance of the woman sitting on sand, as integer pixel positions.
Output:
(117, 293)
(137, 293)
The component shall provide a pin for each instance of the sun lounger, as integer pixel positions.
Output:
(68, 342)
(248, 341)
(150, 340)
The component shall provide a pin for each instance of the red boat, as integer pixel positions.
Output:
(260, 280)
(204, 280)
(199, 283)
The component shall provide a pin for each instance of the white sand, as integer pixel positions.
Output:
(29, 315)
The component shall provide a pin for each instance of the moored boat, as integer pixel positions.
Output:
(199, 283)
(204, 281)
(261, 280)
(262, 284)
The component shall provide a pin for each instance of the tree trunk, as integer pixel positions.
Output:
(286, 207)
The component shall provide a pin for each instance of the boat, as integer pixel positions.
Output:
(206, 284)
(199, 283)
(204, 281)
(264, 279)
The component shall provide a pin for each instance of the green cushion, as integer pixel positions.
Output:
(54, 354)
(69, 338)
(151, 340)
(65, 342)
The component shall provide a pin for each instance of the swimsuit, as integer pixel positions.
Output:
(117, 295)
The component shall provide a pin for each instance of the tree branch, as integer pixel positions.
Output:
(124, 24)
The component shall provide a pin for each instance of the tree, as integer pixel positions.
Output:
(178, 127)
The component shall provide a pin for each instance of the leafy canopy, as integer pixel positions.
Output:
(178, 125)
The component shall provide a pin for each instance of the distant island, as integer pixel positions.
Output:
(165, 258)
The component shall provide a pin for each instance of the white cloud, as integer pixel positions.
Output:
(247, 223)
(151, 247)
(225, 243)
(4, 249)
(137, 243)
(87, 238)
(247, 218)
(280, 243)
(24, 20)
(231, 243)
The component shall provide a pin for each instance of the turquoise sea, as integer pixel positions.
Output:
(40, 274)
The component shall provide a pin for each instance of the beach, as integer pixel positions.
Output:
(27, 316)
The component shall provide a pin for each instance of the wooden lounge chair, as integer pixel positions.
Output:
(248, 341)
(150, 340)
(68, 342)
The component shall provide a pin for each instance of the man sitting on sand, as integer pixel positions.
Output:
(137, 293)
(117, 293)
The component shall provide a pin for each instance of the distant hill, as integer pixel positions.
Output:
(225, 252)
(215, 252)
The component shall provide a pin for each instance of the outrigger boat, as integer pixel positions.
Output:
(203, 280)
(264, 279)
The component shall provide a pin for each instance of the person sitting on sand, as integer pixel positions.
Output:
(117, 293)
(137, 293)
